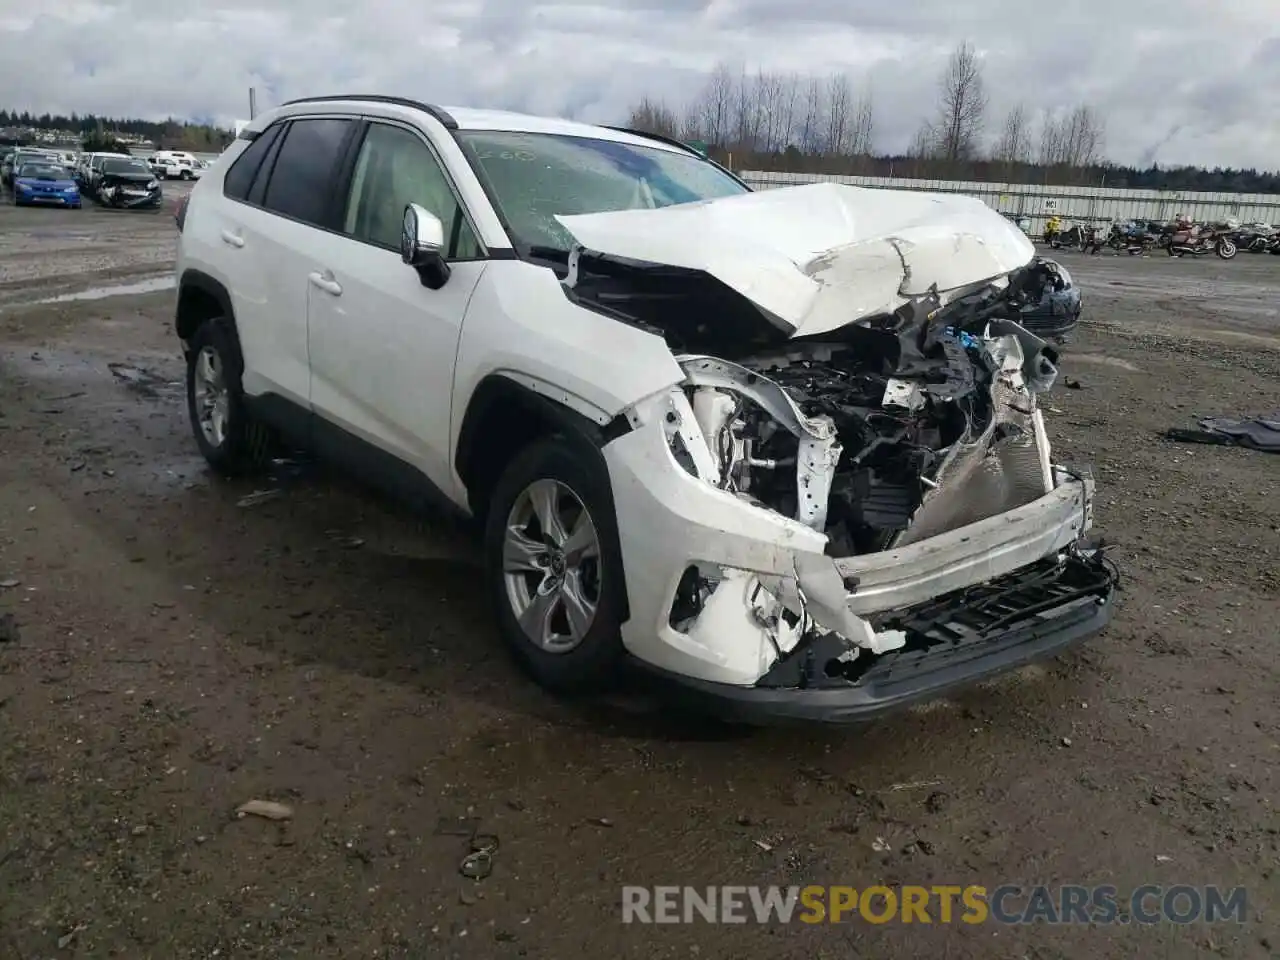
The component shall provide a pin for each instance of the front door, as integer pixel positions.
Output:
(382, 345)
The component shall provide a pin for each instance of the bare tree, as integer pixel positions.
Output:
(862, 126)
(715, 106)
(1073, 140)
(769, 101)
(691, 123)
(962, 105)
(787, 103)
(811, 116)
(836, 125)
(655, 117)
(1014, 146)
(1083, 137)
(746, 114)
(1051, 140)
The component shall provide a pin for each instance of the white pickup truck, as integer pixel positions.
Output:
(175, 165)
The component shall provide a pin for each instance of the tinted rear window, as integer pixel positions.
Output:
(240, 177)
(302, 179)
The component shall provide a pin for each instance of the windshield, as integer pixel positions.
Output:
(535, 176)
(125, 166)
(40, 171)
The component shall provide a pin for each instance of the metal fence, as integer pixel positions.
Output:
(1038, 203)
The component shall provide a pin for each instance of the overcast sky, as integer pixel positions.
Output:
(1198, 80)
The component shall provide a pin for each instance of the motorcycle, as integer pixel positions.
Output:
(1197, 240)
(1255, 240)
(1058, 238)
(1132, 237)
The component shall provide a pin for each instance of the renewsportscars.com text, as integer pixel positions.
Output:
(972, 904)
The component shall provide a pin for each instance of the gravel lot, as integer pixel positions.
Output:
(168, 654)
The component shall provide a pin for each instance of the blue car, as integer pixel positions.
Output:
(46, 184)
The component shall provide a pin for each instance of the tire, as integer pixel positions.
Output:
(186, 174)
(577, 473)
(1226, 249)
(243, 446)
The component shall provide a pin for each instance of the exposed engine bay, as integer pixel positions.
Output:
(887, 431)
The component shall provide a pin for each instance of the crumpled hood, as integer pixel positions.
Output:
(816, 257)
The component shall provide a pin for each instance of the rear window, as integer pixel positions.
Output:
(245, 167)
(302, 178)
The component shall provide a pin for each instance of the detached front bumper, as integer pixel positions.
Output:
(953, 642)
(780, 629)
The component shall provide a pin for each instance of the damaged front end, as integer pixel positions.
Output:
(129, 191)
(832, 525)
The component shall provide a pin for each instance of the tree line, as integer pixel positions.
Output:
(176, 134)
(805, 124)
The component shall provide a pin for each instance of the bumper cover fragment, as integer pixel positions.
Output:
(953, 641)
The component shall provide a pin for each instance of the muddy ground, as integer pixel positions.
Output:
(169, 654)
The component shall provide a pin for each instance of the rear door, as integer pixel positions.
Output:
(383, 345)
(269, 233)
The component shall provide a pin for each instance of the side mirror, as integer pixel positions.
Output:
(422, 245)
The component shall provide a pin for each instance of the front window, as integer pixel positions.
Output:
(533, 177)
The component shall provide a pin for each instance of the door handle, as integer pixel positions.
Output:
(326, 283)
(233, 239)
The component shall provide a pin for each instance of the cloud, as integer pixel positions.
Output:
(1190, 81)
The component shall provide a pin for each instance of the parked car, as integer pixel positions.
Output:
(6, 166)
(91, 163)
(126, 182)
(44, 184)
(166, 168)
(780, 450)
(23, 155)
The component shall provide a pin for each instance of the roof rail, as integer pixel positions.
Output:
(442, 115)
(660, 137)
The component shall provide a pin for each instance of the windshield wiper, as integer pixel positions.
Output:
(543, 252)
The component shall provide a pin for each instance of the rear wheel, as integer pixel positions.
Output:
(553, 566)
(230, 439)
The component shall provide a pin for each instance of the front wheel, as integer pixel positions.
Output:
(231, 441)
(553, 566)
(1226, 249)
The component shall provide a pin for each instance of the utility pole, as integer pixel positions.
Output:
(253, 103)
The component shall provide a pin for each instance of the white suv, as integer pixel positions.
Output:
(779, 449)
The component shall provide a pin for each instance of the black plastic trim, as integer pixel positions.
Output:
(495, 390)
(192, 279)
(1054, 631)
(357, 458)
(436, 112)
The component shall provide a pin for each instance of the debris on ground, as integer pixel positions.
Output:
(344, 541)
(478, 864)
(1255, 433)
(913, 785)
(1072, 384)
(9, 584)
(268, 809)
(8, 628)
(257, 497)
